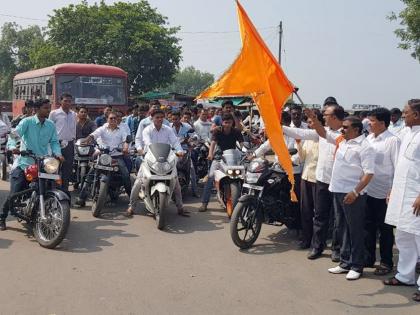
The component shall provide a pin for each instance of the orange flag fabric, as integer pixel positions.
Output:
(257, 73)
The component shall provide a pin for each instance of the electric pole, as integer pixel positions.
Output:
(280, 39)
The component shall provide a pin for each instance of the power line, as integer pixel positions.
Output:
(22, 17)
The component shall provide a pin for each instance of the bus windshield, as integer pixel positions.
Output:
(93, 89)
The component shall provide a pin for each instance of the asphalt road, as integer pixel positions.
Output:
(116, 265)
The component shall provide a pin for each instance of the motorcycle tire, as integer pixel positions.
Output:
(99, 202)
(82, 174)
(159, 202)
(245, 219)
(232, 194)
(40, 233)
(3, 168)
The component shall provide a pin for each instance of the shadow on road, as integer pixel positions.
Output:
(405, 292)
(279, 242)
(5, 243)
(197, 222)
(92, 236)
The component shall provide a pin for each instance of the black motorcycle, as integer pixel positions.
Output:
(44, 207)
(265, 199)
(103, 180)
(201, 163)
(183, 167)
(82, 156)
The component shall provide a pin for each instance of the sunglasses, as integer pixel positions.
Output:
(112, 118)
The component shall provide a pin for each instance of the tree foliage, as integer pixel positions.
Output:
(132, 36)
(16, 45)
(409, 32)
(190, 81)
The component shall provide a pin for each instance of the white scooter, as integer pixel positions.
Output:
(159, 177)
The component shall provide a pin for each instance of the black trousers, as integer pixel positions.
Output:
(307, 209)
(375, 222)
(350, 223)
(297, 191)
(321, 216)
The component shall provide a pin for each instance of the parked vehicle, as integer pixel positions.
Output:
(82, 156)
(44, 207)
(201, 151)
(265, 199)
(183, 167)
(159, 178)
(229, 178)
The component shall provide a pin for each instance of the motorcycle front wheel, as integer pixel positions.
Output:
(50, 232)
(245, 224)
(232, 194)
(159, 203)
(99, 202)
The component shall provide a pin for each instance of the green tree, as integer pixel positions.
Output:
(190, 81)
(409, 32)
(132, 36)
(16, 45)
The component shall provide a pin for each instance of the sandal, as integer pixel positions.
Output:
(416, 296)
(382, 270)
(395, 282)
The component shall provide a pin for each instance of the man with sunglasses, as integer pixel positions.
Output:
(353, 169)
(404, 201)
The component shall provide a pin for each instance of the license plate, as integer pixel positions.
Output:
(49, 176)
(158, 177)
(255, 187)
(106, 168)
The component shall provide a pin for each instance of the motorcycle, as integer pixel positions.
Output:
(45, 208)
(103, 180)
(201, 151)
(183, 167)
(82, 156)
(266, 198)
(159, 177)
(229, 178)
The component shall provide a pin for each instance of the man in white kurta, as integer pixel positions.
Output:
(404, 203)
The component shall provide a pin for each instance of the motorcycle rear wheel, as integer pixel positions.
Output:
(245, 219)
(52, 231)
(99, 202)
(159, 203)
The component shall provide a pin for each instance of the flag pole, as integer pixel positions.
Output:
(298, 97)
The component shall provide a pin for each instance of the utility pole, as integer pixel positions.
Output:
(280, 39)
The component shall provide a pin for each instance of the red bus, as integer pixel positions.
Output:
(94, 86)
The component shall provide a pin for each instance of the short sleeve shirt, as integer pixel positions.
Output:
(227, 141)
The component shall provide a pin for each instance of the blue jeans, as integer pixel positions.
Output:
(17, 183)
(215, 165)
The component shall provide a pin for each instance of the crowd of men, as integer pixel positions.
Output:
(356, 178)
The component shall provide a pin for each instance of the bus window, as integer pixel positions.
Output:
(93, 89)
(48, 87)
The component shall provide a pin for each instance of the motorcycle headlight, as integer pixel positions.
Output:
(51, 165)
(230, 172)
(105, 159)
(83, 150)
(252, 178)
(161, 168)
(237, 172)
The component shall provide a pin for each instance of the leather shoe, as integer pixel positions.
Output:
(2, 225)
(314, 254)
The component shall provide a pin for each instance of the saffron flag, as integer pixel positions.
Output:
(257, 73)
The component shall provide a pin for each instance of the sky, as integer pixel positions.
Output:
(340, 48)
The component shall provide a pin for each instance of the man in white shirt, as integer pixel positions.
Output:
(112, 137)
(65, 122)
(404, 202)
(202, 126)
(157, 132)
(397, 125)
(386, 146)
(333, 116)
(353, 169)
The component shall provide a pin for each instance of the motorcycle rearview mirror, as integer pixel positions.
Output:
(293, 151)
(129, 139)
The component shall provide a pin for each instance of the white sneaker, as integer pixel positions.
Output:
(353, 275)
(338, 270)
